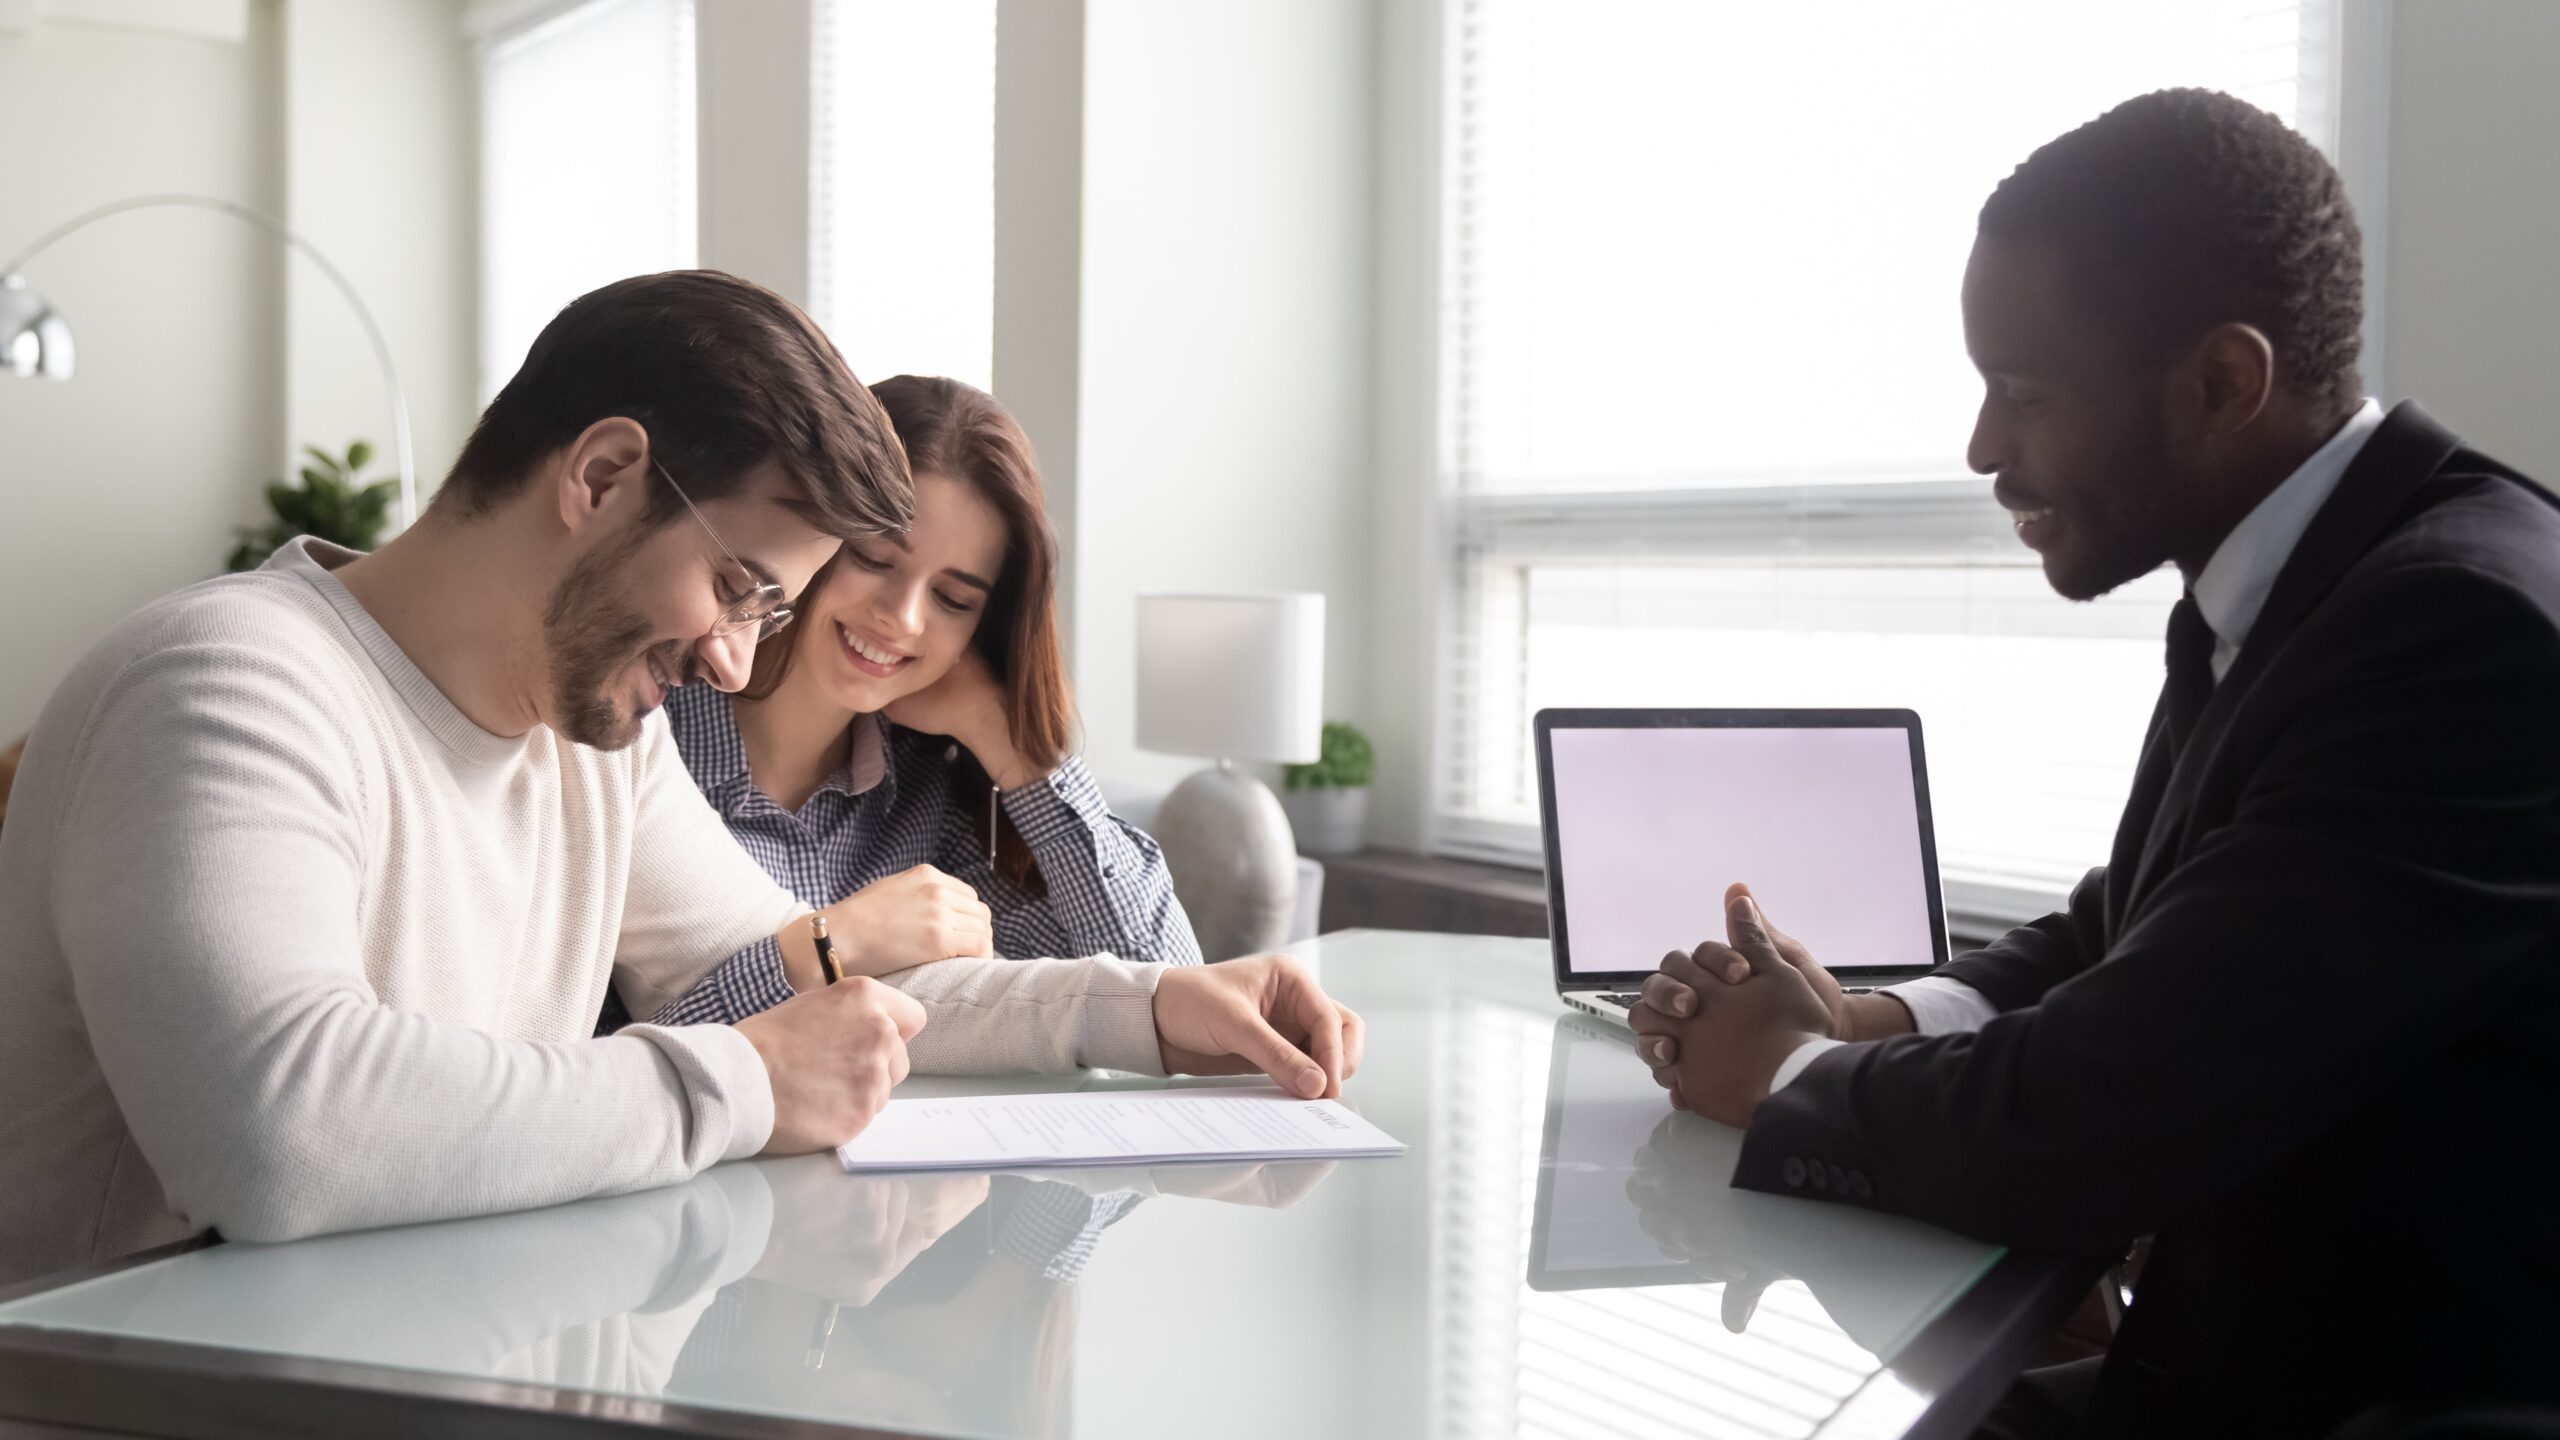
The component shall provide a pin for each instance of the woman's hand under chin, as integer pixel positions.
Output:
(967, 704)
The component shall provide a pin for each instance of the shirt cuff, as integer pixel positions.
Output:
(1795, 1063)
(1941, 1005)
(1062, 802)
(1120, 1016)
(728, 1093)
(747, 983)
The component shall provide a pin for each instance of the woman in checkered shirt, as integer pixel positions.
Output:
(904, 740)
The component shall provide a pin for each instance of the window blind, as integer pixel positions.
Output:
(1706, 397)
(902, 200)
(586, 161)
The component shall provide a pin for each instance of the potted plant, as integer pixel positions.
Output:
(331, 504)
(1328, 801)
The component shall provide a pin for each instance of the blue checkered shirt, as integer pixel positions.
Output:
(896, 806)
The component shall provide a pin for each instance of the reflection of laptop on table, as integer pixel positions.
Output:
(1601, 1108)
(1879, 1278)
(1649, 814)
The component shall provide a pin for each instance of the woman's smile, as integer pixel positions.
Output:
(869, 656)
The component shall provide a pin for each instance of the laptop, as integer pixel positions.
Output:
(1649, 814)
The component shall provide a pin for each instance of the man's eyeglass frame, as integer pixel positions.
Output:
(763, 605)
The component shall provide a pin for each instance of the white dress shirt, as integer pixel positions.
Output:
(2230, 592)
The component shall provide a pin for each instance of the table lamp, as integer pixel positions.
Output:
(36, 341)
(1229, 678)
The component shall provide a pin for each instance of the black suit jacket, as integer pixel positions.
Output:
(2305, 1024)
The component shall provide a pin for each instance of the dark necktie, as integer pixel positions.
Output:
(2190, 682)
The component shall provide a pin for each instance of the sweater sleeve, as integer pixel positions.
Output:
(205, 892)
(995, 1017)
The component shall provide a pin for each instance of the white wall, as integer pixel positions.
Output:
(381, 130)
(2473, 276)
(125, 482)
(1039, 257)
(1403, 653)
(751, 189)
(1224, 370)
(205, 357)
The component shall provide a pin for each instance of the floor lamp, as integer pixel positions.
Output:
(36, 341)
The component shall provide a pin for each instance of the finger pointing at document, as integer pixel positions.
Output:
(1263, 1013)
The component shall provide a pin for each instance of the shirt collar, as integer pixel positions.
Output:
(316, 562)
(705, 722)
(2234, 584)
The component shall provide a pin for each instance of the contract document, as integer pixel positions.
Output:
(1110, 1127)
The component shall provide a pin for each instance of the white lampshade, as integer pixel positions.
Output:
(1231, 677)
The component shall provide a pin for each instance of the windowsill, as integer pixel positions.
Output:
(1401, 890)
(1404, 890)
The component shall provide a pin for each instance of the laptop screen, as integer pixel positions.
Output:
(1824, 822)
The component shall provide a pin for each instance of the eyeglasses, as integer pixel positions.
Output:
(762, 605)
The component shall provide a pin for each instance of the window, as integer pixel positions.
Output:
(902, 206)
(1707, 397)
(586, 162)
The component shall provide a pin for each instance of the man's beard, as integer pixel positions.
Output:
(591, 636)
(2128, 534)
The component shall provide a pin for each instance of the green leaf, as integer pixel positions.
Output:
(1344, 761)
(358, 452)
(292, 507)
(329, 514)
(327, 460)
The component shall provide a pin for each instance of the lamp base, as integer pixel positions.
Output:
(1233, 862)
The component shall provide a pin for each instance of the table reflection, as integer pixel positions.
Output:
(942, 1303)
(1752, 1313)
(600, 1295)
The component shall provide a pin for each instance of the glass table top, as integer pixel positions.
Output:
(1558, 1254)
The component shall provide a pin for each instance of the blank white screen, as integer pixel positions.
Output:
(1822, 823)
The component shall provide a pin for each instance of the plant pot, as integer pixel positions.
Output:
(1329, 821)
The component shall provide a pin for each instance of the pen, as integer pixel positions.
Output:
(819, 1335)
(826, 948)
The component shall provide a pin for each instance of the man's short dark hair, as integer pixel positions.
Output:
(724, 374)
(2181, 210)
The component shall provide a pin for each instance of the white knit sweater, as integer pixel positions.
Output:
(293, 946)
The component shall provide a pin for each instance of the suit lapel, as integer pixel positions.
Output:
(2376, 489)
(2142, 805)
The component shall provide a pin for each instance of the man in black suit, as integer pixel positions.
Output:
(2300, 1027)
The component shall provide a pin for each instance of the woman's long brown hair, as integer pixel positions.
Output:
(960, 431)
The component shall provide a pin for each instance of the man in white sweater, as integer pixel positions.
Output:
(315, 878)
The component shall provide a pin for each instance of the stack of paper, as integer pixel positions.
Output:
(1111, 1127)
